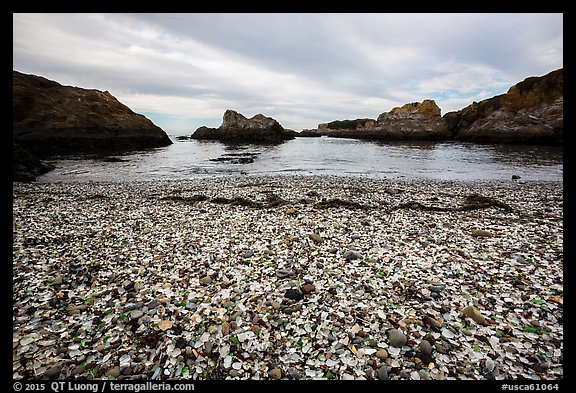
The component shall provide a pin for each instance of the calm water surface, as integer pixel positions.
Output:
(314, 156)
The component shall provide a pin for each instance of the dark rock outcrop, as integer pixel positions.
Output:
(532, 111)
(236, 127)
(49, 119)
(26, 167)
(309, 134)
(414, 121)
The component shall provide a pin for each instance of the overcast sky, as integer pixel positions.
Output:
(184, 70)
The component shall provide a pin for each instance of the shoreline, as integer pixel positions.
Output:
(188, 279)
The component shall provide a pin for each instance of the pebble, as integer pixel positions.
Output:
(293, 373)
(316, 238)
(53, 372)
(437, 288)
(481, 233)
(351, 255)
(425, 347)
(275, 373)
(382, 354)
(136, 314)
(247, 254)
(383, 373)
(307, 288)
(153, 304)
(283, 273)
(397, 338)
(205, 280)
(294, 294)
(472, 312)
(114, 372)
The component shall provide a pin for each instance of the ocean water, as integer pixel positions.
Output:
(315, 156)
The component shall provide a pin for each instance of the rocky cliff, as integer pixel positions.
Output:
(236, 127)
(418, 120)
(532, 111)
(49, 119)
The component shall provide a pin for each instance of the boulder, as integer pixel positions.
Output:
(236, 127)
(49, 119)
(532, 111)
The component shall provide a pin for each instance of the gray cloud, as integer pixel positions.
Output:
(185, 70)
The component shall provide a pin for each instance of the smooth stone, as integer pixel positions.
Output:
(481, 233)
(316, 238)
(351, 255)
(472, 312)
(136, 314)
(383, 373)
(307, 288)
(382, 354)
(114, 372)
(234, 373)
(425, 347)
(437, 288)
(276, 305)
(53, 372)
(275, 373)
(247, 254)
(397, 338)
(283, 273)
